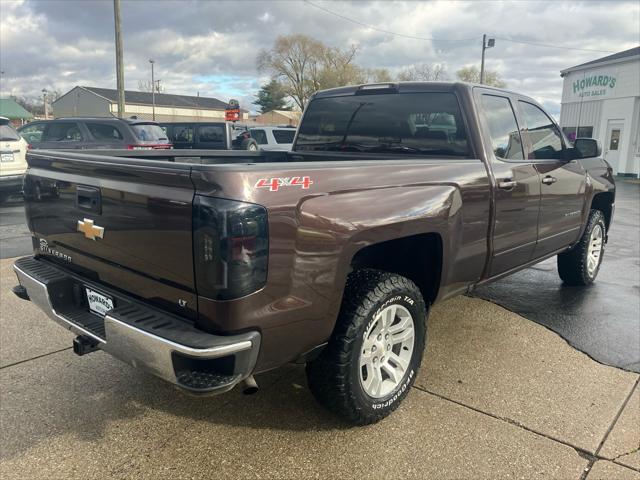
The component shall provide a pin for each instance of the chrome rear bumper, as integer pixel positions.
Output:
(142, 336)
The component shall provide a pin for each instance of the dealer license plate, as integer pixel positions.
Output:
(98, 303)
(6, 157)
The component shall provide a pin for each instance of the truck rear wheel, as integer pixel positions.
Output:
(580, 265)
(375, 351)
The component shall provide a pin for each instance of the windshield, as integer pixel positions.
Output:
(8, 134)
(409, 123)
(149, 132)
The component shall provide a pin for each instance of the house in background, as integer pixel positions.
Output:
(278, 117)
(103, 102)
(12, 110)
(601, 100)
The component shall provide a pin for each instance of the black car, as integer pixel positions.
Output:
(95, 133)
(210, 135)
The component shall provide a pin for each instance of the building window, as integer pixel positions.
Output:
(583, 132)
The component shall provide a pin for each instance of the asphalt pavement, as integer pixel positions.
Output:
(602, 320)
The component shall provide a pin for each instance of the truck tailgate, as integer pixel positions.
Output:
(124, 222)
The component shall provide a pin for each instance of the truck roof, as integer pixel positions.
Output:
(408, 87)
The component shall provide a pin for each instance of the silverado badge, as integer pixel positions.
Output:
(90, 230)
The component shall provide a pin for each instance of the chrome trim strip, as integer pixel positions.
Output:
(140, 348)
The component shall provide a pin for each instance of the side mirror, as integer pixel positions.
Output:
(587, 147)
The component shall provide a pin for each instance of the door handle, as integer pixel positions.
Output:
(507, 184)
(548, 180)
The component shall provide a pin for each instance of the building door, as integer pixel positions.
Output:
(612, 145)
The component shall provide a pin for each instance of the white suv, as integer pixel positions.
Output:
(13, 164)
(273, 138)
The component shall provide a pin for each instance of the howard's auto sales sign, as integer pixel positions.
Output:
(594, 85)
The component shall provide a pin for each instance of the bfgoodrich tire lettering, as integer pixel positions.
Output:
(580, 265)
(335, 377)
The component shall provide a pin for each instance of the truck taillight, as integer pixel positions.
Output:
(231, 247)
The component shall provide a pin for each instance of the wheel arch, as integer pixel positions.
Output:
(416, 257)
(604, 201)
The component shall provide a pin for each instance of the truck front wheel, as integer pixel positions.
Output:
(580, 265)
(374, 354)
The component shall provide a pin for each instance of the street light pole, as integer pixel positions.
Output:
(44, 102)
(485, 45)
(119, 61)
(153, 91)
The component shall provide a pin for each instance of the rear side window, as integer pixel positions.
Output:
(403, 123)
(182, 133)
(32, 133)
(284, 136)
(259, 136)
(62, 132)
(503, 128)
(8, 134)
(149, 132)
(211, 133)
(546, 141)
(101, 131)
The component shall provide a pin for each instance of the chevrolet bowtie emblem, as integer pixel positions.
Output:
(90, 230)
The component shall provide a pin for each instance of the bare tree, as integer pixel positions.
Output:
(472, 74)
(423, 73)
(146, 86)
(304, 65)
(378, 75)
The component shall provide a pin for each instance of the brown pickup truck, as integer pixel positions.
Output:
(208, 267)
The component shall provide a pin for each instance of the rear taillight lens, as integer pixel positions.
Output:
(231, 247)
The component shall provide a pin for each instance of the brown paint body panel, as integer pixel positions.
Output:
(353, 201)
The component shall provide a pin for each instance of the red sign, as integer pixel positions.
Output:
(232, 114)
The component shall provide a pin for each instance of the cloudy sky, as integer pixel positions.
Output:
(210, 46)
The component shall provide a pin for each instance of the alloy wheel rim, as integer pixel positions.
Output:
(594, 253)
(386, 351)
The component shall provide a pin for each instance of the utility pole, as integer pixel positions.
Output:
(44, 102)
(153, 91)
(119, 62)
(491, 43)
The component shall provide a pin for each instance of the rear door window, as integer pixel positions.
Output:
(402, 123)
(211, 133)
(284, 136)
(33, 133)
(503, 128)
(260, 136)
(546, 140)
(62, 132)
(104, 132)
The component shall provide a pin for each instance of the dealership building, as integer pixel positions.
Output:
(601, 100)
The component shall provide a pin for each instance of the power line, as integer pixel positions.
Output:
(552, 46)
(388, 32)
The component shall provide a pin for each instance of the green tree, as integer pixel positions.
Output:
(272, 96)
(472, 74)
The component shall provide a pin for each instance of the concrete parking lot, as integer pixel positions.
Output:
(498, 397)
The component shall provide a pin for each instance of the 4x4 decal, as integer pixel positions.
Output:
(274, 184)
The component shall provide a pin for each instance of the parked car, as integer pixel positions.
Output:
(95, 133)
(13, 163)
(273, 138)
(210, 136)
(330, 255)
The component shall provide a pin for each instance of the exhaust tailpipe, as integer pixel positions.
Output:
(249, 386)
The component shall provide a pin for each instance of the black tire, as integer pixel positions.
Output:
(250, 144)
(334, 377)
(573, 264)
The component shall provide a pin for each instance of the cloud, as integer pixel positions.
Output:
(210, 47)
